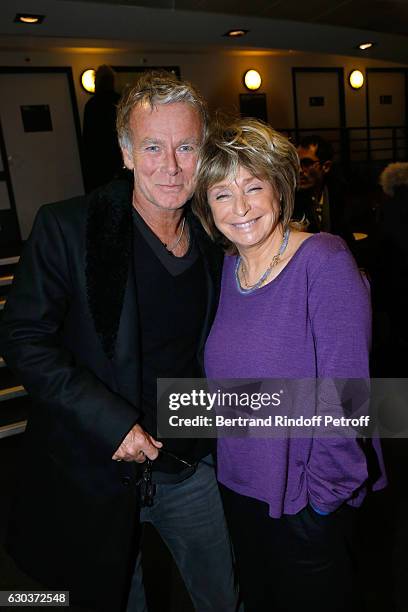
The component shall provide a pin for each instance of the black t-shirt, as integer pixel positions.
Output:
(172, 302)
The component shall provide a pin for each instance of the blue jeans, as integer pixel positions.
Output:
(190, 519)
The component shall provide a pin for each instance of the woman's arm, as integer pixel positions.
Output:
(340, 315)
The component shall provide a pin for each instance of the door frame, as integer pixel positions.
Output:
(6, 178)
(5, 175)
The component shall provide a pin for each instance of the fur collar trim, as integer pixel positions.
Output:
(108, 250)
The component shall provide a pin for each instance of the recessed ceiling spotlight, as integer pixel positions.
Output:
(366, 45)
(236, 33)
(28, 18)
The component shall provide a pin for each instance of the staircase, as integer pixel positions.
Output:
(14, 402)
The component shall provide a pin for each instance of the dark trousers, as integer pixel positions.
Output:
(294, 563)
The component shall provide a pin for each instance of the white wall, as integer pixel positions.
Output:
(217, 74)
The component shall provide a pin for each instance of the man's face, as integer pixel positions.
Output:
(166, 141)
(312, 171)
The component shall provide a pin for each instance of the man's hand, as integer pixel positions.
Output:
(137, 445)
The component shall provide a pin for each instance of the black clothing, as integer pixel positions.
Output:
(71, 332)
(174, 265)
(171, 311)
(335, 220)
(102, 156)
(297, 562)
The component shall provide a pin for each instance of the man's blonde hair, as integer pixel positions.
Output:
(153, 88)
(260, 149)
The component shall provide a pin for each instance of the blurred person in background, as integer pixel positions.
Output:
(390, 273)
(102, 156)
(321, 200)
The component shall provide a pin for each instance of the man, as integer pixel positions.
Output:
(115, 290)
(320, 201)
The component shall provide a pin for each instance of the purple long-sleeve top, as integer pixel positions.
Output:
(312, 321)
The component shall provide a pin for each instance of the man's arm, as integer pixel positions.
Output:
(30, 344)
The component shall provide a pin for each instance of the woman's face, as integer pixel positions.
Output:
(245, 210)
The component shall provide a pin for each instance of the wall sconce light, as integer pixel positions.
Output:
(88, 80)
(252, 80)
(356, 79)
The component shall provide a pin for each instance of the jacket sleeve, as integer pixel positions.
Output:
(340, 314)
(30, 343)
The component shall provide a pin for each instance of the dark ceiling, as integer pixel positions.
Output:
(198, 26)
(389, 16)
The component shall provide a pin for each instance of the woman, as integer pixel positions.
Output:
(292, 305)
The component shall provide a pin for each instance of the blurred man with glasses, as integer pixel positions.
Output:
(321, 200)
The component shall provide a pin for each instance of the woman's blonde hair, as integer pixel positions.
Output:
(260, 149)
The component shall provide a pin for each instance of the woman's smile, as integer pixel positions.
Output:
(246, 225)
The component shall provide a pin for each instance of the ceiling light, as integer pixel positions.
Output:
(28, 18)
(236, 33)
(88, 80)
(356, 79)
(366, 45)
(252, 80)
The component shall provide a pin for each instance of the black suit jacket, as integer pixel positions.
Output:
(70, 332)
(338, 210)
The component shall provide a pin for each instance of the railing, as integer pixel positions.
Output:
(374, 145)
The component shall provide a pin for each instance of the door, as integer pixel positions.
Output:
(319, 104)
(40, 126)
(386, 113)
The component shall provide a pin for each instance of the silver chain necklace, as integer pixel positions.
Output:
(261, 281)
(171, 248)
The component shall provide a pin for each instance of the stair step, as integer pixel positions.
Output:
(7, 261)
(6, 280)
(12, 429)
(12, 392)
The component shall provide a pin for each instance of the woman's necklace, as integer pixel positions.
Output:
(173, 246)
(261, 281)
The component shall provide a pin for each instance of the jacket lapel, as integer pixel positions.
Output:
(126, 361)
